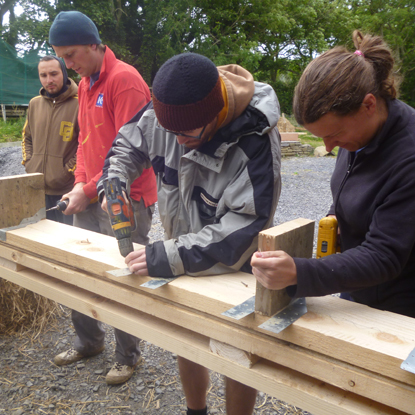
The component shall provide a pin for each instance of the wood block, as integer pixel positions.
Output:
(21, 197)
(296, 239)
(11, 265)
(238, 356)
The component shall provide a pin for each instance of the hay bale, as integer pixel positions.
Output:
(22, 310)
(284, 126)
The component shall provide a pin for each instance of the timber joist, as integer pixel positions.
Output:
(340, 357)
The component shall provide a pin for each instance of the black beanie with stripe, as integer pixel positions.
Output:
(187, 92)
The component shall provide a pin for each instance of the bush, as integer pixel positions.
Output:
(11, 130)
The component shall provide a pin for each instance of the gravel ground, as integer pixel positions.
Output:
(31, 384)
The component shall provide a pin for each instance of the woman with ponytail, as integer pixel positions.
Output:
(349, 98)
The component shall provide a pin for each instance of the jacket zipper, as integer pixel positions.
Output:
(45, 155)
(346, 176)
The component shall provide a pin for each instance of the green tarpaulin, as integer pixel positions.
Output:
(19, 79)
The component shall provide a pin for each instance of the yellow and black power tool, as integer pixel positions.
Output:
(327, 237)
(121, 214)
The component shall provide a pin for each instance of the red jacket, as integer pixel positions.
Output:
(118, 94)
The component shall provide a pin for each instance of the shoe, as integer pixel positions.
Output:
(71, 356)
(120, 373)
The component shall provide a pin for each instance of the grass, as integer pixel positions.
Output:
(314, 141)
(11, 130)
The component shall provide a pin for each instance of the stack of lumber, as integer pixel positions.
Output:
(339, 358)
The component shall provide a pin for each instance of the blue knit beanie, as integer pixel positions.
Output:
(73, 28)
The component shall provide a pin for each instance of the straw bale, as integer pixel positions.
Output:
(284, 126)
(22, 310)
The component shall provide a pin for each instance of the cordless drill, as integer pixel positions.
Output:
(327, 237)
(121, 214)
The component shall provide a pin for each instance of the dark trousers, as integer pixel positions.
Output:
(89, 332)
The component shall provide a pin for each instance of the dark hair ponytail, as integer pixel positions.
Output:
(338, 80)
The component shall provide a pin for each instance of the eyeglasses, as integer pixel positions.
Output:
(195, 137)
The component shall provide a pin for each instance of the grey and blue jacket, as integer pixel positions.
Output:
(212, 201)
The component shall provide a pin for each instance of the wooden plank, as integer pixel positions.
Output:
(283, 383)
(325, 368)
(21, 197)
(89, 251)
(296, 239)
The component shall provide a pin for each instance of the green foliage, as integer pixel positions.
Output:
(394, 20)
(274, 40)
(11, 130)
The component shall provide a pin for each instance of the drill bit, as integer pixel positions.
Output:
(60, 206)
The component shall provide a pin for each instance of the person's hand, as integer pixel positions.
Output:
(78, 200)
(274, 270)
(136, 262)
(104, 205)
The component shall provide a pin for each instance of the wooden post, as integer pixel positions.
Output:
(21, 197)
(296, 239)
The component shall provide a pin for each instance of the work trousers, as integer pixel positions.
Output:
(89, 332)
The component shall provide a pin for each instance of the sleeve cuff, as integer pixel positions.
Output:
(157, 263)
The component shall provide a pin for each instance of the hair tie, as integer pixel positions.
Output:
(359, 53)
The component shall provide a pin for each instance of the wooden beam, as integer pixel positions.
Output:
(344, 331)
(317, 330)
(296, 239)
(286, 384)
(21, 197)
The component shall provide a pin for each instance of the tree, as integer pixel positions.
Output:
(7, 6)
(274, 40)
(394, 20)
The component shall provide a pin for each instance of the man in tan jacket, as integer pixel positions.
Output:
(50, 134)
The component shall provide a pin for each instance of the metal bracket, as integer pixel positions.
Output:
(153, 283)
(241, 310)
(121, 272)
(409, 363)
(286, 317)
(157, 282)
(41, 214)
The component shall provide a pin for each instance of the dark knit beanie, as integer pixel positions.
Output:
(73, 28)
(187, 92)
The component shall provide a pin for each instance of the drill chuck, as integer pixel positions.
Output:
(62, 205)
(126, 246)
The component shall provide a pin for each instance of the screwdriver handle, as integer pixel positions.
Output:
(62, 205)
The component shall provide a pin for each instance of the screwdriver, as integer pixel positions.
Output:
(61, 205)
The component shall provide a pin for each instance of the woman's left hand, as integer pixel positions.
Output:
(136, 262)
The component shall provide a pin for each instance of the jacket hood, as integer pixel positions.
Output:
(71, 91)
(240, 88)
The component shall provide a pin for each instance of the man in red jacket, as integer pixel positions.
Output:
(110, 93)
